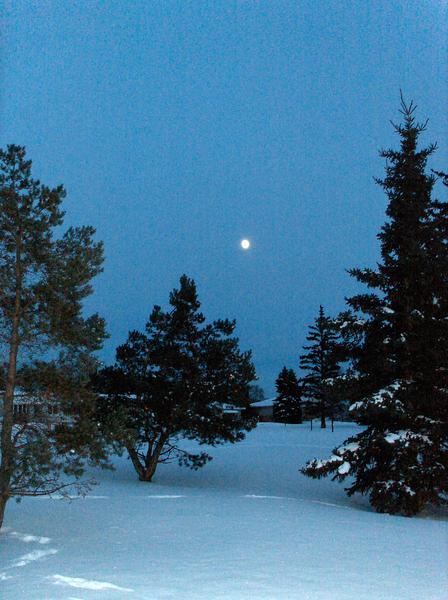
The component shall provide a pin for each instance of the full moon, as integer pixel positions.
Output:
(245, 244)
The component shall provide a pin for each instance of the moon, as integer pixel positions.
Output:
(245, 244)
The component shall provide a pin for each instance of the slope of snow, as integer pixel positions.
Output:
(246, 526)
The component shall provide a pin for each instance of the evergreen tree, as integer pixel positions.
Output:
(47, 342)
(401, 457)
(321, 364)
(287, 404)
(173, 381)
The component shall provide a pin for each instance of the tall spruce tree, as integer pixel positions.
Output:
(400, 459)
(46, 341)
(172, 382)
(287, 404)
(321, 363)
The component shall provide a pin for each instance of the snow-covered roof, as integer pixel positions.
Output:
(263, 403)
(231, 409)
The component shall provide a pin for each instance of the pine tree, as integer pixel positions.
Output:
(173, 381)
(321, 364)
(401, 457)
(287, 404)
(47, 342)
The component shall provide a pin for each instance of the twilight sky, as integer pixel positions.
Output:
(180, 127)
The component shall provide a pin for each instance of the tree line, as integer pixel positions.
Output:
(385, 356)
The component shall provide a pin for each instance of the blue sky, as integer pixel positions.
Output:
(179, 127)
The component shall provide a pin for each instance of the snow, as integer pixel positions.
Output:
(400, 484)
(86, 584)
(356, 405)
(344, 468)
(29, 538)
(391, 438)
(359, 322)
(33, 555)
(405, 436)
(351, 447)
(381, 398)
(263, 403)
(246, 526)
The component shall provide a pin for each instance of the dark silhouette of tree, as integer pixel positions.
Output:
(287, 404)
(43, 282)
(321, 363)
(401, 457)
(172, 381)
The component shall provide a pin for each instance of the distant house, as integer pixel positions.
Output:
(264, 409)
(231, 409)
(28, 408)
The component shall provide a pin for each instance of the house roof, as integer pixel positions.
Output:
(263, 403)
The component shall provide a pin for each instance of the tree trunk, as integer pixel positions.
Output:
(151, 463)
(3, 501)
(135, 460)
(323, 424)
(146, 470)
(7, 446)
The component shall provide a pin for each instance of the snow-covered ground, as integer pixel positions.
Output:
(247, 526)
